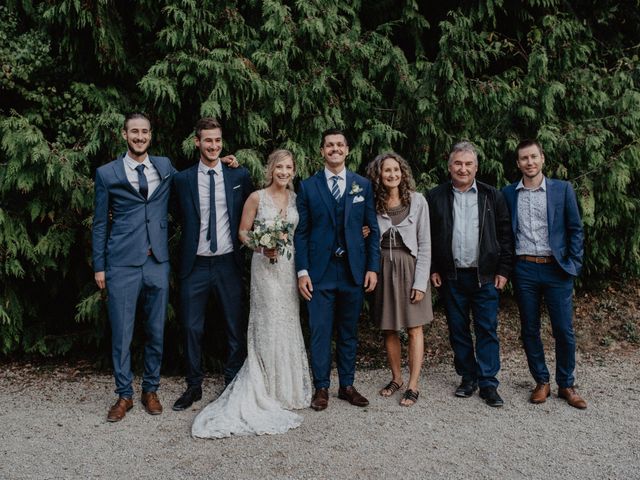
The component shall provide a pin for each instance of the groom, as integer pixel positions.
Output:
(335, 264)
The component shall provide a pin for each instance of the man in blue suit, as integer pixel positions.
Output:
(335, 264)
(131, 257)
(549, 247)
(211, 196)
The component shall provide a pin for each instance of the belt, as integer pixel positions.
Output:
(532, 259)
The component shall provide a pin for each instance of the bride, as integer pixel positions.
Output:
(275, 376)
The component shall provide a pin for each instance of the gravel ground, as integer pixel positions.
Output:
(52, 425)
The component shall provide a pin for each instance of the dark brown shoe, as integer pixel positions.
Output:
(351, 395)
(540, 393)
(151, 403)
(119, 409)
(320, 399)
(572, 397)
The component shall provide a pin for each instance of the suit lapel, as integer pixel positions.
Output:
(161, 173)
(325, 194)
(551, 203)
(121, 175)
(192, 180)
(228, 176)
(347, 198)
(514, 210)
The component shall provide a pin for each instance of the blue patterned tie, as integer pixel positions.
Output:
(211, 232)
(142, 181)
(335, 189)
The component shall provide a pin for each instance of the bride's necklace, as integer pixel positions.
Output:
(282, 210)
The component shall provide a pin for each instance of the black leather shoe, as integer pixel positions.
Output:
(191, 394)
(466, 388)
(491, 397)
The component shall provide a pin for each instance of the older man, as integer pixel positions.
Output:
(549, 248)
(472, 252)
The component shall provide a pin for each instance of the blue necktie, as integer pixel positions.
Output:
(211, 232)
(335, 189)
(142, 181)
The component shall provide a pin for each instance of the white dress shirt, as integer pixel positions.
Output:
(223, 227)
(153, 177)
(342, 179)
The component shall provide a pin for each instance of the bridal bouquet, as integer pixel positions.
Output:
(276, 234)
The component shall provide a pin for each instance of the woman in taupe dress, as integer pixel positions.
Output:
(402, 296)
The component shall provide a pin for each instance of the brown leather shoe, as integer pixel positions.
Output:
(540, 393)
(320, 399)
(119, 409)
(572, 397)
(351, 395)
(151, 403)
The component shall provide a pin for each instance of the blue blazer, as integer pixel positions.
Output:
(237, 186)
(566, 237)
(315, 235)
(135, 224)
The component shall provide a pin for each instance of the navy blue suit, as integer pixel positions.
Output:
(337, 282)
(219, 275)
(553, 281)
(131, 248)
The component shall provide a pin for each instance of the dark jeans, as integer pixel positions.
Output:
(532, 282)
(463, 296)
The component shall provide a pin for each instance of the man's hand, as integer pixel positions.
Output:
(230, 160)
(305, 287)
(500, 282)
(370, 281)
(416, 295)
(365, 231)
(436, 281)
(100, 280)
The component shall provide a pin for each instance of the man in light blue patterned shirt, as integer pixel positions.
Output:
(549, 248)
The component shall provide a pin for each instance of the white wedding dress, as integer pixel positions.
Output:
(275, 376)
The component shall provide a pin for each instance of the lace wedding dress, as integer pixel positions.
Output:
(275, 376)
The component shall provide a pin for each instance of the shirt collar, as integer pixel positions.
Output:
(473, 188)
(132, 164)
(543, 185)
(329, 174)
(202, 168)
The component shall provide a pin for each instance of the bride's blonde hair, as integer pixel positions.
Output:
(274, 158)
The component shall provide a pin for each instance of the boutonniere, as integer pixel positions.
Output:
(355, 189)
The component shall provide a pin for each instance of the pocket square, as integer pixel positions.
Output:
(236, 187)
(358, 199)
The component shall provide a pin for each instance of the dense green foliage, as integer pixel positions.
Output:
(407, 75)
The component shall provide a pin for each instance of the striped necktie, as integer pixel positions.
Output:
(335, 189)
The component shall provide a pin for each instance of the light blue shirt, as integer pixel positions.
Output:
(466, 227)
(223, 227)
(532, 235)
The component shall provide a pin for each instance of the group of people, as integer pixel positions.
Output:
(351, 235)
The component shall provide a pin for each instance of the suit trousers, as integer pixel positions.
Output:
(221, 277)
(336, 301)
(531, 283)
(126, 286)
(462, 296)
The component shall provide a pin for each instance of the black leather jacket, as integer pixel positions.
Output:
(495, 252)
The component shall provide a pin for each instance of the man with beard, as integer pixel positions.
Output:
(131, 257)
(211, 195)
(549, 248)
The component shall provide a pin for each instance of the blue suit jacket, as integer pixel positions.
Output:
(566, 237)
(315, 235)
(136, 224)
(237, 186)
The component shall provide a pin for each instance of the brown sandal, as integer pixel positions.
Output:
(392, 387)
